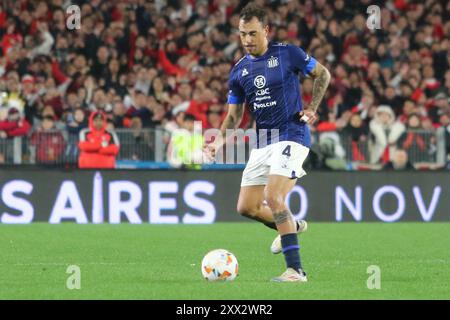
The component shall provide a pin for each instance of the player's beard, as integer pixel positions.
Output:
(253, 51)
(256, 50)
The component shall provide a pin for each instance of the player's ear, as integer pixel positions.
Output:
(266, 30)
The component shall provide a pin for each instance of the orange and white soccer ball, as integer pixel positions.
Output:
(219, 265)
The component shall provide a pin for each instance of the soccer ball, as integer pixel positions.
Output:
(219, 265)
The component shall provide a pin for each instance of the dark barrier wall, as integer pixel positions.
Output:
(124, 196)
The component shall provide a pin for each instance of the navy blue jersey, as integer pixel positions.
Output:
(270, 86)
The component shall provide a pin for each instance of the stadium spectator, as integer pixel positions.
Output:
(48, 111)
(415, 142)
(385, 131)
(185, 147)
(14, 125)
(447, 143)
(214, 116)
(45, 41)
(333, 152)
(357, 132)
(48, 141)
(119, 115)
(141, 145)
(439, 107)
(75, 123)
(11, 96)
(98, 146)
(399, 161)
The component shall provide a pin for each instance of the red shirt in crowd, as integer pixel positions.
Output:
(99, 148)
(15, 128)
(49, 145)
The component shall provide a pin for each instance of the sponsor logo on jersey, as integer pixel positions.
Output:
(272, 62)
(259, 82)
(264, 105)
(263, 92)
(244, 72)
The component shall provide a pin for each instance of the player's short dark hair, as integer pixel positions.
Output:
(253, 10)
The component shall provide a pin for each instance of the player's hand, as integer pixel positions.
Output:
(308, 116)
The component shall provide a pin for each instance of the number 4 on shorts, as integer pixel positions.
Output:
(287, 151)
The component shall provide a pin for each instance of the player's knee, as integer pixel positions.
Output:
(245, 209)
(275, 202)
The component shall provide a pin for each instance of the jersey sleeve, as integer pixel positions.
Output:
(236, 93)
(300, 60)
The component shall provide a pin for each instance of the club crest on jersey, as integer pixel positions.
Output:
(244, 72)
(272, 62)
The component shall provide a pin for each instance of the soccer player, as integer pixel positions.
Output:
(266, 79)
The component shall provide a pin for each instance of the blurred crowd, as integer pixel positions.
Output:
(146, 64)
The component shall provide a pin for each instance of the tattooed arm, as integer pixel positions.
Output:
(321, 77)
(233, 118)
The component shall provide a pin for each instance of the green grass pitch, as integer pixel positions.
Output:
(163, 262)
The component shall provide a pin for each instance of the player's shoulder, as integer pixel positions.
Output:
(238, 65)
(287, 49)
(283, 46)
(280, 44)
(286, 46)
